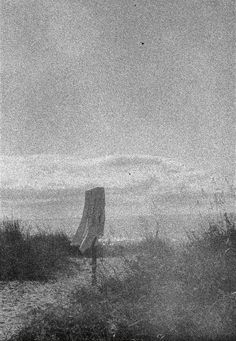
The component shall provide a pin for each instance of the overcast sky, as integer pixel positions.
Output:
(94, 79)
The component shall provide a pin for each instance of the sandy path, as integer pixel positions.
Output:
(18, 299)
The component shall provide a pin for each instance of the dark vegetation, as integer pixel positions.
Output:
(167, 292)
(26, 256)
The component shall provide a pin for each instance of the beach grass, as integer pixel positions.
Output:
(167, 292)
(28, 256)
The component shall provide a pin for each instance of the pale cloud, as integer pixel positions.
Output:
(54, 185)
(141, 172)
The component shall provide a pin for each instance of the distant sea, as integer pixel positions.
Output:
(173, 227)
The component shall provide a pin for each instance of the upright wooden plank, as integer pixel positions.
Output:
(91, 226)
(93, 219)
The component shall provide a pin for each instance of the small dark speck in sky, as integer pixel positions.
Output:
(142, 43)
(129, 173)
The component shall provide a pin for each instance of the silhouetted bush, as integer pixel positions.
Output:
(30, 257)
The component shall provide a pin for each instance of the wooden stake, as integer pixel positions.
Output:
(94, 262)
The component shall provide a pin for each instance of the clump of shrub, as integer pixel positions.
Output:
(30, 257)
(210, 258)
(63, 324)
(198, 301)
(77, 325)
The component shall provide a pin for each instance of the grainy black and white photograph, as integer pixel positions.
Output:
(117, 170)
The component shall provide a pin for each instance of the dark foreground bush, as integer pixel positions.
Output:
(73, 325)
(30, 257)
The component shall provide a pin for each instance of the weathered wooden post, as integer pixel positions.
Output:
(94, 262)
(91, 227)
